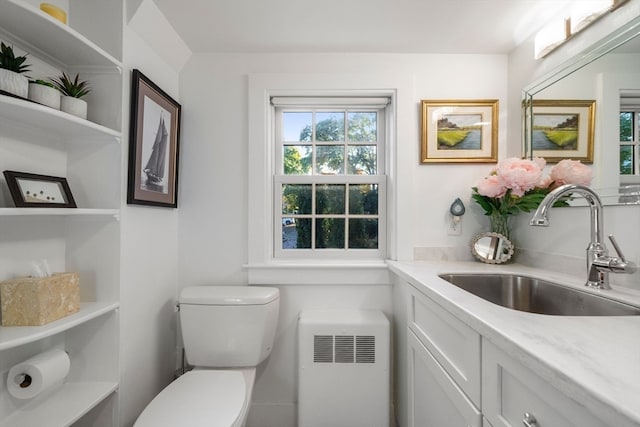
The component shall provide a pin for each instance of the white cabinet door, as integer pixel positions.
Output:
(513, 396)
(434, 398)
(452, 342)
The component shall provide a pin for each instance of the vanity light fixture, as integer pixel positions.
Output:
(585, 12)
(581, 14)
(550, 37)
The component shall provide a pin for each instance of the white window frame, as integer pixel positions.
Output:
(330, 104)
(262, 267)
(634, 143)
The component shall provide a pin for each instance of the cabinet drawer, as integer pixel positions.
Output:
(434, 398)
(509, 390)
(453, 343)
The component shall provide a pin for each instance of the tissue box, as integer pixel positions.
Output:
(34, 301)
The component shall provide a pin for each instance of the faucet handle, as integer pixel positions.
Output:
(616, 265)
(617, 248)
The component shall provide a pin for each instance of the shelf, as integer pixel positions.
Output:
(51, 37)
(14, 336)
(63, 407)
(60, 212)
(54, 122)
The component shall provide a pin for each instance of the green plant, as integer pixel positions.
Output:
(43, 83)
(11, 62)
(75, 88)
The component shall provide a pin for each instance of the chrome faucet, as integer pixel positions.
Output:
(599, 263)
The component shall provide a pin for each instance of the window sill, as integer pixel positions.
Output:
(319, 273)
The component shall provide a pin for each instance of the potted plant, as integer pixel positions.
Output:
(45, 93)
(72, 90)
(11, 69)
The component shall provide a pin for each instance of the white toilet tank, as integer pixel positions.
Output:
(228, 326)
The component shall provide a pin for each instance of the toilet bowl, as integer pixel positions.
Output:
(227, 331)
(202, 398)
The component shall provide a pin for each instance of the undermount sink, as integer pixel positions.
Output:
(538, 296)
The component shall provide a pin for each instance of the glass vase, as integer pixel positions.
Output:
(500, 224)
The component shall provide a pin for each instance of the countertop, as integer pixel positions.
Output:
(594, 360)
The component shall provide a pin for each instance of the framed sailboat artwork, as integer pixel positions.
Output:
(153, 145)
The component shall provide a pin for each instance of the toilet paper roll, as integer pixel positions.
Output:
(38, 374)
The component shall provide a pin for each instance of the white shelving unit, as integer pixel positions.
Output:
(15, 336)
(115, 213)
(64, 407)
(55, 122)
(37, 139)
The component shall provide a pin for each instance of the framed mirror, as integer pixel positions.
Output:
(492, 248)
(607, 74)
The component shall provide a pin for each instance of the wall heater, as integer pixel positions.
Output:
(343, 368)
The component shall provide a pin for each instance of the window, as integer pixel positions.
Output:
(329, 178)
(629, 141)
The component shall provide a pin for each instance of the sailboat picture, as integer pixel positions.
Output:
(154, 143)
(155, 147)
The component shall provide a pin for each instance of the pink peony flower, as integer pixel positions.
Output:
(540, 162)
(519, 175)
(570, 172)
(544, 182)
(491, 187)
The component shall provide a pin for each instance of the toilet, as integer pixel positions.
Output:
(227, 331)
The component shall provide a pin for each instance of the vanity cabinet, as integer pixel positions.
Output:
(41, 140)
(457, 378)
(513, 396)
(444, 366)
(434, 397)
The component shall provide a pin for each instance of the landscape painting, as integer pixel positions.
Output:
(459, 131)
(555, 131)
(563, 129)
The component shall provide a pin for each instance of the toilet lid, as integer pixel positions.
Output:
(197, 399)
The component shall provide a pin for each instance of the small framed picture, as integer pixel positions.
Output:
(153, 145)
(30, 190)
(563, 129)
(459, 131)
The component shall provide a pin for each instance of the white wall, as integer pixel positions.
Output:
(213, 214)
(149, 255)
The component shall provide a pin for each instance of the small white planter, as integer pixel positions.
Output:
(14, 83)
(44, 95)
(75, 106)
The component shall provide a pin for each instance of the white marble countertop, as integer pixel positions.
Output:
(594, 360)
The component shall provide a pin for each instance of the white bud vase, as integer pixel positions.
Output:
(75, 106)
(14, 83)
(44, 95)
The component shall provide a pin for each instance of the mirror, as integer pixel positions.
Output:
(609, 74)
(492, 248)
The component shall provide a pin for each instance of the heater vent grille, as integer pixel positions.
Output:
(323, 348)
(366, 346)
(344, 349)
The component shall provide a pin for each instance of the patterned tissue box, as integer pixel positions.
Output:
(34, 301)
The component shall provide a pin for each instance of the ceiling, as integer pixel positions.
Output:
(367, 26)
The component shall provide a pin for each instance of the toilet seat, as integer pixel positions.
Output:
(199, 398)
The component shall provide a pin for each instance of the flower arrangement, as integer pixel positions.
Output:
(519, 185)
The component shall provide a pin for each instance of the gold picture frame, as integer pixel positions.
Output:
(459, 131)
(563, 129)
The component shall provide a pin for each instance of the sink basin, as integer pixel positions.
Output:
(538, 296)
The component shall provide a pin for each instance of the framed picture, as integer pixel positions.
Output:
(29, 190)
(459, 131)
(563, 129)
(153, 145)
